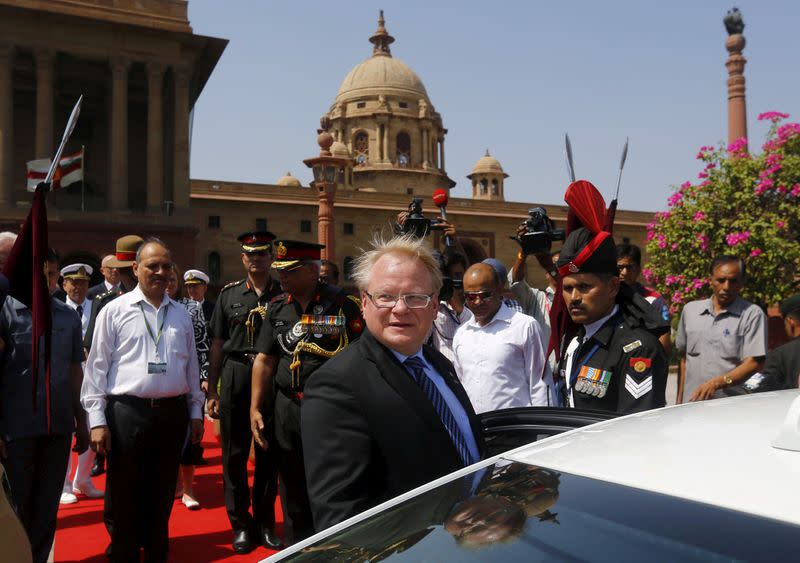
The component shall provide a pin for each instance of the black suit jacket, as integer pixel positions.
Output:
(370, 433)
(208, 310)
(96, 290)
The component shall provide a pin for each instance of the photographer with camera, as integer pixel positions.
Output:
(452, 312)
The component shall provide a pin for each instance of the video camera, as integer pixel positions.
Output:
(416, 223)
(448, 286)
(540, 233)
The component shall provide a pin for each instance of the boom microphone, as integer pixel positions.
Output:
(440, 199)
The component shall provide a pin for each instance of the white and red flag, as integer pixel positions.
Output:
(68, 171)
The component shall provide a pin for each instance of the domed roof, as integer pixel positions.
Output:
(339, 150)
(289, 181)
(381, 73)
(487, 164)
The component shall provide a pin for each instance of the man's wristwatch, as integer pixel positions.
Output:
(521, 255)
(727, 379)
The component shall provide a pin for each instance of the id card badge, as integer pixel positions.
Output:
(156, 368)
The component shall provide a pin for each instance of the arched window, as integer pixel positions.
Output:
(403, 149)
(214, 266)
(361, 148)
(494, 187)
(484, 186)
(348, 268)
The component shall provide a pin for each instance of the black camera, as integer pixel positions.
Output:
(448, 286)
(540, 233)
(416, 223)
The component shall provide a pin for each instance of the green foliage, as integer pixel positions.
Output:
(745, 205)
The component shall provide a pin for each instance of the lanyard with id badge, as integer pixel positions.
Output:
(158, 367)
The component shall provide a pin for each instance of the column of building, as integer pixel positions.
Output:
(6, 123)
(181, 159)
(155, 136)
(119, 134)
(43, 144)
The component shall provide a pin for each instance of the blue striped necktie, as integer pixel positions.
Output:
(417, 369)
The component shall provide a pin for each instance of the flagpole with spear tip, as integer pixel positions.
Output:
(24, 270)
(611, 212)
(570, 164)
(73, 119)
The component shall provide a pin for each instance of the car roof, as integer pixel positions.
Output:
(718, 452)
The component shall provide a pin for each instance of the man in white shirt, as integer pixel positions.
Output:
(111, 277)
(498, 353)
(76, 285)
(142, 380)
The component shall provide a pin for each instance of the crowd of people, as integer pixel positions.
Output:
(338, 395)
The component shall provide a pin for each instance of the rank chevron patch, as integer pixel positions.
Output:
(638, 390)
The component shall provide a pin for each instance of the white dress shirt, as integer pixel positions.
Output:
(86, 314)
(445, 326)
(123, 347)
(501, 364)
(590, 331)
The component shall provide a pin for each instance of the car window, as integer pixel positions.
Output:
(517, 512)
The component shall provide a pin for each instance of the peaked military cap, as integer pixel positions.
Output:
(193, 277)
(291, 252)
(77, 272)
(255, 241)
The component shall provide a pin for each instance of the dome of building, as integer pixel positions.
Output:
(289, 181)
(339, 150)
(487, 164)
(381, 74)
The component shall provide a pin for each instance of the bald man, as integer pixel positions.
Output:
(498, 353)
(111, 278)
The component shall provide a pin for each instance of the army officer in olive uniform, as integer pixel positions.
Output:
(238, 317)
(306, 326)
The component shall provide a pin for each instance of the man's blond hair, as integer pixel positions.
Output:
(407, 246)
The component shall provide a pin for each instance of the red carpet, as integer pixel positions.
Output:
(202, 535)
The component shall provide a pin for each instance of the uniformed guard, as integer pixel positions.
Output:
(235, 324)
(612, 360)
(306, 326)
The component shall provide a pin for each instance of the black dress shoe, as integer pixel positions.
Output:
(270, 539)
(99, 466)
(242, 542)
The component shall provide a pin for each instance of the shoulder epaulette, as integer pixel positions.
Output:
(232, 284)
(107, 294)
(355, 300)
(278, 297)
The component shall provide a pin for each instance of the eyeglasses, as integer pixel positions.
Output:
(412, 300)
(475, 295)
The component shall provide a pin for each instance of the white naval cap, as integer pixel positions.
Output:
(77, 272)
(195, 276)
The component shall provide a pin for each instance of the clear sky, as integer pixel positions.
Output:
(512, 77)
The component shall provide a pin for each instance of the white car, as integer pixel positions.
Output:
(710, 481)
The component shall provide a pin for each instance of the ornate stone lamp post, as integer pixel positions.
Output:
(326, 170)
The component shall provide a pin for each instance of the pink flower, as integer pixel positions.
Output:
(795, 190)
(662, 242)
(736, 238)
(675, 199)
(650, 235)
(674, 246)
(677, 297)
(702, 175)
(773, 116)
(755, 252)
(780, 224)
(696, 284)
(703, 239)
(737, 146)
(648, 275)
(699, 216)
(686, 185)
